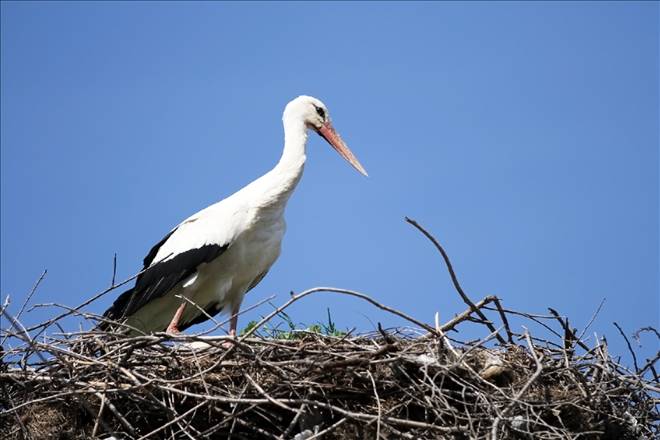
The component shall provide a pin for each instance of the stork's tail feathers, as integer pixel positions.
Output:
(116, 312)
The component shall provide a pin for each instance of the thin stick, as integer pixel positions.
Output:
(464, 316)
(632, 352)
(32, 292)
(22, 332)
(649, 329)
(113, 409)
(114, 269)
(380, 410)
(593, 318)
(335, 425)
(504, 319)
(292, 425)
(568, 332)
(454, 278)
(99, 416)
(265, 394)
(175, 420)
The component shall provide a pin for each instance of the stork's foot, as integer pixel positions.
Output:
(230, 342)
(172, 330)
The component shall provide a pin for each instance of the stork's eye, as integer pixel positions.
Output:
(320, 112)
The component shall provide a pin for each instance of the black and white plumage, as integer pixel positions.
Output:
(218, 254)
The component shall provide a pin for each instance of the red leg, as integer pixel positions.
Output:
(173, 328)
(233, 323)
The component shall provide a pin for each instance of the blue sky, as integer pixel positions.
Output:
(523, 135)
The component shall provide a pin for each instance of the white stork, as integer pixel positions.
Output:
(218, 254)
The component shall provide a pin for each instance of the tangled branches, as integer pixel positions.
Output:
(417, 382)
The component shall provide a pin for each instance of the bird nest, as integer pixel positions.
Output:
(418, 382)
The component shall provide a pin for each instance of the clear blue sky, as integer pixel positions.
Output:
(523, 135)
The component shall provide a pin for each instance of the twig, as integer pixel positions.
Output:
(593, 318)
(464, 316)
(335, 425)
(175, 420)
(99, 416)
(630, 350)
(380, 410)
(114, 269)
(504, 319)
(454, 278)
(31, 293)
(22, 333)
(118, 414)
(569, 334)
(637, 333)
(292, 425)
(270, 399)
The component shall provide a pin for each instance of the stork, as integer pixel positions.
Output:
(208, 262)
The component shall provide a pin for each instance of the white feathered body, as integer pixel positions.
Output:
(251, 222)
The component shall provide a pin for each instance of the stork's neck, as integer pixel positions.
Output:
(282, 180)
(295, 140)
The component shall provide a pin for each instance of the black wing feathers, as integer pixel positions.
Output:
(161, 277)
(154, 250)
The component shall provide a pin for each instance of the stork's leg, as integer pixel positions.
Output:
(233, 323)
(173, 328)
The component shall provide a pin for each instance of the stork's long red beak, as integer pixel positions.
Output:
(328, 132)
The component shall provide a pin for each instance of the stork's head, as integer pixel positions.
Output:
(314, 114)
